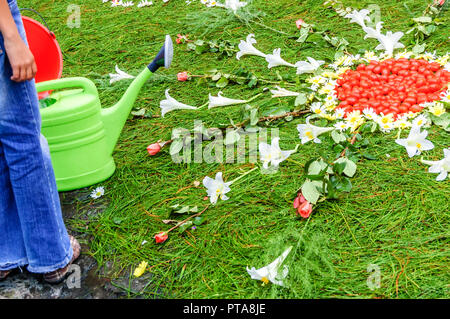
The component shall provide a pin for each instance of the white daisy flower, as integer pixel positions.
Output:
(341, 126)
(370, 114)
(98, 192)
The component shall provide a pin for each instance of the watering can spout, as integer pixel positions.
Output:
(114, 118)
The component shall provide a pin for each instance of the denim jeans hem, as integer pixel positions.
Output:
(14, 265)
(46, 269)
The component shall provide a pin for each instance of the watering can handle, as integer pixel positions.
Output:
(40, 16)
(78, 82)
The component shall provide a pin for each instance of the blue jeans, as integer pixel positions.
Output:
(32, 230)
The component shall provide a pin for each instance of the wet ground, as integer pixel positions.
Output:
(84, 281)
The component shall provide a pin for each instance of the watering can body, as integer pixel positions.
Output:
(76, 134)
(80, 133)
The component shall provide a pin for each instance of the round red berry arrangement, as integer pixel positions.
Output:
(394, 86)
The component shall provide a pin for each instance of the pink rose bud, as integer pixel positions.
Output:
(305, 209)
(299, 200)
(161, 237)
(153, 149)
(182, 76)
(299, 23)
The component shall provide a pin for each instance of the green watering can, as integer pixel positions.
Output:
(80, 133)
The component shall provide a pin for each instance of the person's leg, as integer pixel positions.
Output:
(31, 174)
(12, 247)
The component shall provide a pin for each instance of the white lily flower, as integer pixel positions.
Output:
(120, 75)
(272, 153)
(170, 104)
(373, 33)
(270, 272)
(359, 17)
(308, 132)
(308, 67)
(416, 142)
(234, 5)
(246, 47)
(219, 100)
(216, 188)
(388, 42)
(280, 92)
(442, 167)
(276, 60)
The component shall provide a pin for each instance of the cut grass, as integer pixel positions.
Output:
(396, 216)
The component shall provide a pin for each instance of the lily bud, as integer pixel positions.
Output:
(161, 237)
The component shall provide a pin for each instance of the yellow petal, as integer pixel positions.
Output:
(139, 271)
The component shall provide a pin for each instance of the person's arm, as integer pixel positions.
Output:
(19, 55)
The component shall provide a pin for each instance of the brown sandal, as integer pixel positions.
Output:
(4, 274)
(57, 276)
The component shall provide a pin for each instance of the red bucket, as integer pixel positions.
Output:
(46, 51)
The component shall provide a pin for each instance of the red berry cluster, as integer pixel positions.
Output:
(392, 86)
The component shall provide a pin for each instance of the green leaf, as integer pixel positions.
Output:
(442, 121)
(191, 46)
(308, 164)
(176, 146)
(423, 20)
(430, 29)
(199, 49)
(339, 167)
(46, 102)
(140, 112)
(304, 33)
(350, 166)
(254, 119)
(369, 156)
(182, 210)
(199, 220)
(338, 137)
(316, 167)
(223, 82)
(310, 192)
(117, 220)
(289, 118)
(319, 177)
(194, 209)
(253, 82)
(341, 184)
(185, 226)
(231, 138)
(301, 99)
(216, 77)
(277, 111)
